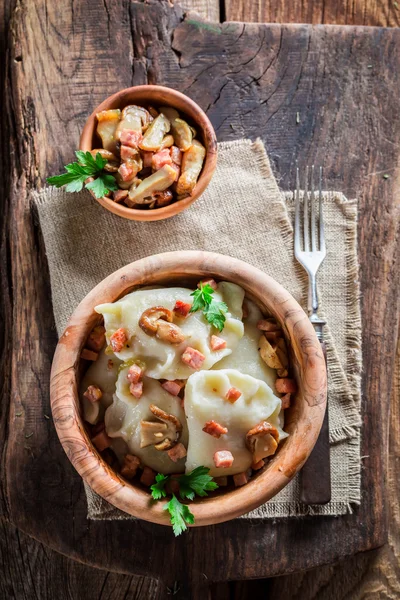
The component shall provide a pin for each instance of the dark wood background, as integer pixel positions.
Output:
(346, 106)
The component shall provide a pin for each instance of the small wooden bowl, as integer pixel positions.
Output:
(156, 95)
(303, 419)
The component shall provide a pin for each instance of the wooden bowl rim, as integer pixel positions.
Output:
(197, 115)
(64, 397)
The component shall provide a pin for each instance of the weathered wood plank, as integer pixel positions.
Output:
(383, 13)
(252, 80)
(208, 9)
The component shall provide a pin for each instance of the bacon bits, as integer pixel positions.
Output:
(161, 158)
(223, 459)
(118, 339)
(221, 481)
(178, 451)
(147, 156)
(93, 393)
(182, 309)
(285, 386)
(217, 343)
(210, 282)
(285, 401)
(233, 394)
(268, 325)
(89, 355)
(130, 466)
(135, 374)
(172, 485)
(215, 429)
(101, 441)
(240, 479)
(173, 387)
(193, 358)
(148, 477)
(258, 465)
(128, 153)
(120, 195)
(130, 138)
(96, 339)
(136, 389)
(126, 171)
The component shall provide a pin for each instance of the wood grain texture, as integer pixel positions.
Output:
(251, 80)
(303, 419)
(382, 13)
(209, 9)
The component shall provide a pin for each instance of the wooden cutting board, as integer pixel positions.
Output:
(325, 95)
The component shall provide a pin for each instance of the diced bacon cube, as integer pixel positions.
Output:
(217, 343)
(161, 158)
(100, 426)
(128, 153)
(233, 394)
(136, 389)
(120, 195)
(285, 386)
(177, 170)
(240, 479)
(285, 401)
(173, 387)
(193, 358)
(221, 481)
(126, 171)
(135, 374)
(223, 459)
(210, 282)
(176, 155)
(96, 339)
(177, 452)
(118, 339)
(130, 466)
(258, 465)
(273, 336)
(172, 485)
(215, 429)
(147, 158)
(89, 355)
(268, 325)
(182, 309)
(101, 441)
(162, 198)
(93, 393)
(130, 138)
(148, 476)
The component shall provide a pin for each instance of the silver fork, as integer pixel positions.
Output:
(315, 483)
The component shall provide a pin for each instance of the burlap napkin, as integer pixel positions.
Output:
(241, 214)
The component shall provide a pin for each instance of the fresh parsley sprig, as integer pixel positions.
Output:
(213, 310)
(196, 482)
(77, 173)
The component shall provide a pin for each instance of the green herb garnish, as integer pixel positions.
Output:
(213, 310)
(78, 172)
(197, 482)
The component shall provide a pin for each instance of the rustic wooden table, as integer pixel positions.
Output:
(252, 80)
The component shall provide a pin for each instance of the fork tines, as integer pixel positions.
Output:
(308, 225)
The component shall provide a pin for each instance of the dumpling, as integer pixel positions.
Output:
(163, 359)
(103, 373)
(246, 357)
(205, 401)
(123, 420)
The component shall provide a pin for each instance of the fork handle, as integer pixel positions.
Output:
(315, 477)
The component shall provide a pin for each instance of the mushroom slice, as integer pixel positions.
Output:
(182, 132)
(135, 118)
(262, 440)
(158, 321)
(108, 121)
(192, 163)
(162, 435)
(167, 142)
(157, 182)
(155, 133)
(269, 354)
(112, 161)
(169, 332)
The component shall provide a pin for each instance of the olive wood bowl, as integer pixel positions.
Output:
(303, 419)
(156, 95)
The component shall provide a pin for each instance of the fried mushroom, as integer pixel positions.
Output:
(162, 434)
(262, 440)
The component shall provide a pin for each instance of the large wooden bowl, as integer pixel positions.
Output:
(156, 95)
(303, 419)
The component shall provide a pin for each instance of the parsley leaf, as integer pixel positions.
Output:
(197, 482)
(202, 297)
(215, 314)
(158, 488)
(77, 173)
(180, 515)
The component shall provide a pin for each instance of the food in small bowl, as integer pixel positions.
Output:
(188, 392)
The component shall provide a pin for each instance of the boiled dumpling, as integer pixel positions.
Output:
(163, 359)
(123, 420)
(102, 373)
(205, 401)
(246, 357)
